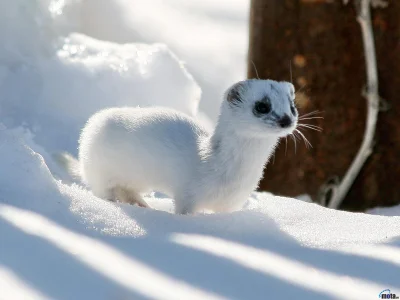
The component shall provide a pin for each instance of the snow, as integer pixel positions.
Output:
(210, 36)
(58, 241)
(61, 242)
(78, 75)
(385, 211)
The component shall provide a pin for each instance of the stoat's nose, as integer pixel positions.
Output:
(285, 121)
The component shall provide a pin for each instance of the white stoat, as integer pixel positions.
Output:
(124, 152)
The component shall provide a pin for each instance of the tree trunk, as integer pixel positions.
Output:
(322, 41)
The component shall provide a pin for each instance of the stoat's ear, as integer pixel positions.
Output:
(235, 93)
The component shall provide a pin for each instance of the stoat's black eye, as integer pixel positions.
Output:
(262, 107)
(293, 109)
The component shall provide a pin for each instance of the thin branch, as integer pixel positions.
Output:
(372, 97)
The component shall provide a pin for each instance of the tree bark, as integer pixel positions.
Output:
(322, 41)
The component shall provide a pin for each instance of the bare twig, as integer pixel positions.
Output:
(372, 97)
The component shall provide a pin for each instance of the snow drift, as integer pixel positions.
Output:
(61, 242)
(50, 84)
(210, 36)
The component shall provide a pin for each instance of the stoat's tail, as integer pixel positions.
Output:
(68, 163)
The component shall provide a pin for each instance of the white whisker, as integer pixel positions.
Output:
(306, 141)
(313, 113)
(309, 126)
(296, 136)
(310, 118)
(294, 140)
(285, 145)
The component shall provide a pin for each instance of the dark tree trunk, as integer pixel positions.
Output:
(323, 42)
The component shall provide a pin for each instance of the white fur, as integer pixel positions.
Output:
(136, 150)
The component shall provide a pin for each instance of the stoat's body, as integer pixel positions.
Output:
(125, 152)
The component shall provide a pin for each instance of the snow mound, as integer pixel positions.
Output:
(96, 248)
(51, 84)
(210, 36)
(59, 93)
(24, 172)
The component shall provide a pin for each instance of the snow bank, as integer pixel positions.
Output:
(210, 36)
(82, 247)
(24, 172)
(53, 97)
(50, 84)
(88, 75)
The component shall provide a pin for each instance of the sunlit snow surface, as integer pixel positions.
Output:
(61, 242)
(58, 241)
(210, 36)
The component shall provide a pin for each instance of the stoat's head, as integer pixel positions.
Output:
(260, 108)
